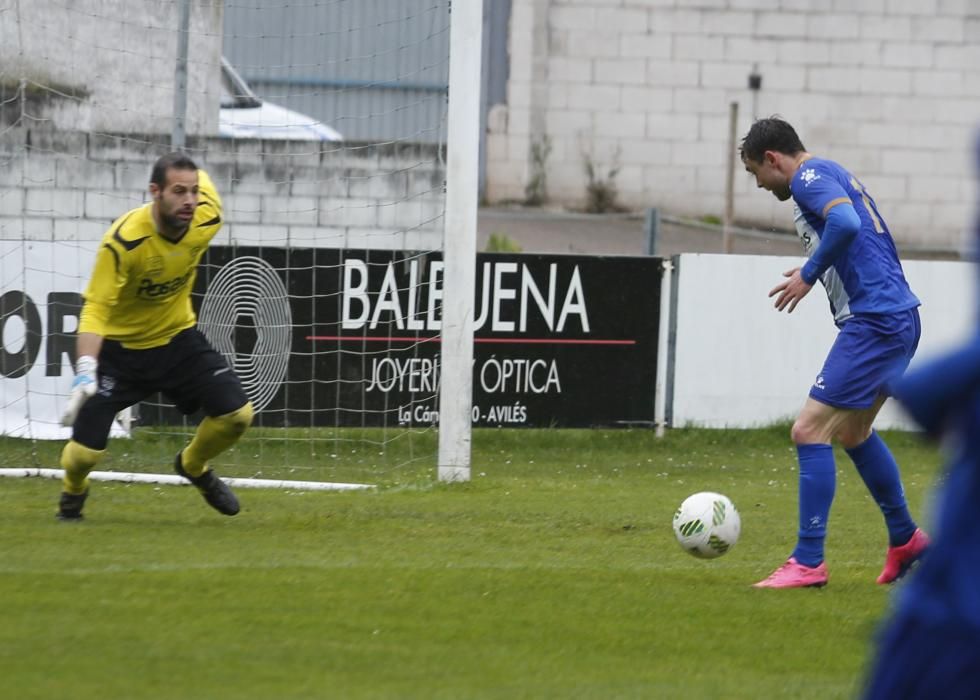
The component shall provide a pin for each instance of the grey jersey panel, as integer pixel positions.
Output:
(840, 302)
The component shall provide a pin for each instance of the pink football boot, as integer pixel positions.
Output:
(792, 574)
(901, 559)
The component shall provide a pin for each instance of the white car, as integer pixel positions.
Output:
(244, 115)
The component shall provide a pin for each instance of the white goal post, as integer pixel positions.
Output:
(459, 246)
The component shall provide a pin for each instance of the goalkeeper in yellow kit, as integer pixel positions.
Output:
(136, 336)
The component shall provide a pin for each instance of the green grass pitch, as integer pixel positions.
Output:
(554, 573)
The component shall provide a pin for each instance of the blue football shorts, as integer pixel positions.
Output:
(870, 351)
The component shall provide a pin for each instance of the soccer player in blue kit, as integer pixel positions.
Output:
(930, 646)
(851, 252)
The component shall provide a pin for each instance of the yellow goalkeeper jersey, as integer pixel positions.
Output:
(140, 290)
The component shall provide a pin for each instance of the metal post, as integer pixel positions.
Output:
(178, 137)
(666, 339)
(726, 234)
(651, 229)
(755, 85)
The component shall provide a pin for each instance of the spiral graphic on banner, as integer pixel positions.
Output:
(247, 299)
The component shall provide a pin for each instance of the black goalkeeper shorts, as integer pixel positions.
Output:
(187, 371)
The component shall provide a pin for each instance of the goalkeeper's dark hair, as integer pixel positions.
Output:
(171, 161)
(770, 134)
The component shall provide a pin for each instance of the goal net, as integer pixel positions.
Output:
(324, 126)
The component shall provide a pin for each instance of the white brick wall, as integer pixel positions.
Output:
(74, 47)
(67, 188)
(890, 88)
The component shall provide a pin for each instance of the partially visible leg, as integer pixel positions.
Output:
(77, 461)
(812, 433)
(814, 429)
(206, 381)
(818, 482)
(214, 436)
(879, 471)
(85, 449)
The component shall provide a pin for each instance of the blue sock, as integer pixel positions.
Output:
(818, 480)
(877, 467)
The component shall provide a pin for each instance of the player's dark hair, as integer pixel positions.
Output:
(770, 134)
(171, 161)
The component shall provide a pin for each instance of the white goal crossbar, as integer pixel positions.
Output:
(174, 480)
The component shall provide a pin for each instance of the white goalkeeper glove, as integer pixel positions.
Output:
(82, 388)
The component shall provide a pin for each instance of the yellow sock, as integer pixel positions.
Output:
(77, 461)
(214, 436)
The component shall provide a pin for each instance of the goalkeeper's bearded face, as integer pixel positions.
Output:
(177, 199)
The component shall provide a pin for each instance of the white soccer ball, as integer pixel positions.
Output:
(707, 524)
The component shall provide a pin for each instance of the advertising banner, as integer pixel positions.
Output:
(40, 298)
(325, 337)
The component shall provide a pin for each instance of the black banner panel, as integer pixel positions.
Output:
(328, 337)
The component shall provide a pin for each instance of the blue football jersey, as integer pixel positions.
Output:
(945, 590)
(867, 277)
